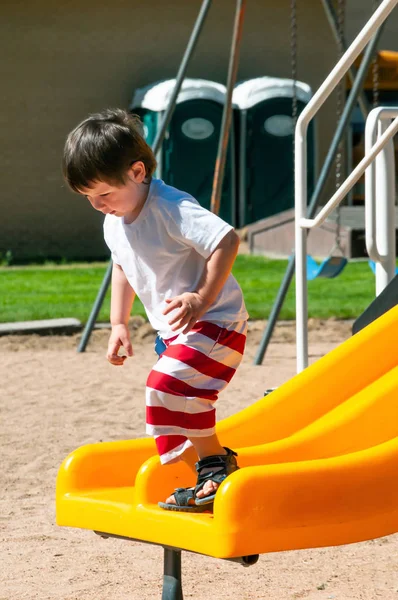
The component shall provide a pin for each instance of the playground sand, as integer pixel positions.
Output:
(54, 400)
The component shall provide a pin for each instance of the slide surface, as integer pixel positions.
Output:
(318, 457)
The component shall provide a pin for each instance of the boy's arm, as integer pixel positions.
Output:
(192, 305)
(122, 299)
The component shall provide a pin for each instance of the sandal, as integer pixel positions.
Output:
(183, 498)
(216, 468)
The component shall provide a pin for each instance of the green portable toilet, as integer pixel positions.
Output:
(264, 131)
(188, 154)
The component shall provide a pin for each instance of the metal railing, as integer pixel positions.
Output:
(301, 223)
(350, 104)
(380, 184)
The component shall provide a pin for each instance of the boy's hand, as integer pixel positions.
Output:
(190, 307)
(120, 337)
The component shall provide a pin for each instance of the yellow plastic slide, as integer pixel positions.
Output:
(319, 460)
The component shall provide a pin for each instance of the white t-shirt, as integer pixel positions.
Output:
(163, 253)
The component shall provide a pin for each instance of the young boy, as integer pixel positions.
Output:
(176, 257)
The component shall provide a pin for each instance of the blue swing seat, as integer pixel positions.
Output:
(372, 265)
(330, 267)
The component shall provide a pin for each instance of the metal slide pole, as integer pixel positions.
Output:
(172, 584)
(385, 224)
(380, 192)
(156, 146)
(327, 165)
(227, 112)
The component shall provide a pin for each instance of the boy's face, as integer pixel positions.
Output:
(119, 200)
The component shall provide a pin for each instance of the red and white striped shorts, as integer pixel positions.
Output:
(185, 382)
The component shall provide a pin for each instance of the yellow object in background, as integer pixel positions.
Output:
(318, 458)
(387, 71)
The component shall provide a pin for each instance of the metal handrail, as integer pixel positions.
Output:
(352, 179)
(372, 123)
(352, 98)
(380, 187)
(319, 98)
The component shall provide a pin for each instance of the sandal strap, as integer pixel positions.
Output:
(218, 460)
(182, 496)
(224, 464)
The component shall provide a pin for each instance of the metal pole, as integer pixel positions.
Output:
(332, 19)
(242, 168)
(172, 584)
(345, 118)
(155, 147)
(233, 179)
(349, 161)
(227, 112)
(362, 100)
(327, 165)
(352, 179)
(181, 73)
(96, 308)
(380, 193)
(385, 222)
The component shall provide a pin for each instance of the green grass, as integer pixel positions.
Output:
(344, 297)
(47, 292)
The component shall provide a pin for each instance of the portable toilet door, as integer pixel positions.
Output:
(265, 129)
(149, 104)
(188, 154)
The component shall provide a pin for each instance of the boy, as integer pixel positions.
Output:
(177, 257)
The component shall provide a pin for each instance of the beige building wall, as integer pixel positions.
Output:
(63, 60)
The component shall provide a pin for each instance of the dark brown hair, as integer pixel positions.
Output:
(103, 147)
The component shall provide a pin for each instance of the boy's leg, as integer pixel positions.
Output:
(181, 390)
(207, 446)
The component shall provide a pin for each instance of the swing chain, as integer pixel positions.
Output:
(340, 99)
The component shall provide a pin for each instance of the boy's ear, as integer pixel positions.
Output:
(137, 171)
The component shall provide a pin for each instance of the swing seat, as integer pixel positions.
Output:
(330, 267)
(372, 265)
